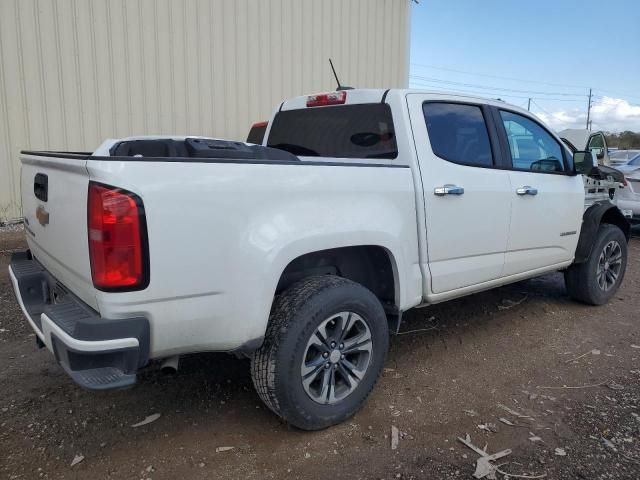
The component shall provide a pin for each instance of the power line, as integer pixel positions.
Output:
(618, 93)
(607, 92)
(548, 113)
(425, 83)
(498, 76)
(443, 89)
(473, 85)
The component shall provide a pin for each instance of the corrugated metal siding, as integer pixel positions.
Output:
(74, 72)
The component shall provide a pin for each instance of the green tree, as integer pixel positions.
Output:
(623, 140)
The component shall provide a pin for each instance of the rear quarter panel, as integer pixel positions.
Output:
(220, 236)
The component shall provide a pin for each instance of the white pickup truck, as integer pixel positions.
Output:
(302, 253)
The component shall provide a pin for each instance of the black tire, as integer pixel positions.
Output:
(582, 279)
(295, 316)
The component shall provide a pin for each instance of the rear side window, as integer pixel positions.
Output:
(458, 133)
(342, 131)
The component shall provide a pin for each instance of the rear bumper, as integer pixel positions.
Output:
(97, 353)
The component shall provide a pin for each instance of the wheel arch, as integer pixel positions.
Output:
(597, 214)
(372, 266)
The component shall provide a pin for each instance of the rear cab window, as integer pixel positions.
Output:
(339, 131)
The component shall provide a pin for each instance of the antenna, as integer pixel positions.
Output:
(340, 87)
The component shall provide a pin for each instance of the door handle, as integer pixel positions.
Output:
(527, 190)
(448, 189)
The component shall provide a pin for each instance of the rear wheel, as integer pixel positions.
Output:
(324, 349)
(597, 279)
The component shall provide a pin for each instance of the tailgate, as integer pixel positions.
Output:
(54, 206)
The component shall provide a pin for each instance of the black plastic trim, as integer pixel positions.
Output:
(591, 220)
(96, 370)
(506, 162)
(41, 186)
(214, 160)
(49, 153)
(144, 241)
(384, 95)
(247, 348)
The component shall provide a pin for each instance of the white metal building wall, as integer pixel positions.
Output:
(74, 72)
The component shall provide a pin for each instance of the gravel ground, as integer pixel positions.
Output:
(567, 376)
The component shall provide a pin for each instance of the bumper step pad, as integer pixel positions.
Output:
(105, 378)
(84, 343)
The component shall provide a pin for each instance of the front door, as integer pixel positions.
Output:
(467, 200)
(547, 202)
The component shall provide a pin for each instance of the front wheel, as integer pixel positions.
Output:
(597, 279)
(324, 349)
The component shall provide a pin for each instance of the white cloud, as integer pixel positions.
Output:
(608, 114)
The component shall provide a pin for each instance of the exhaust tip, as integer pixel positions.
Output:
(169, 365)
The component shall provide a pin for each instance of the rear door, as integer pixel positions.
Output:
(467, 200)
(547, 202)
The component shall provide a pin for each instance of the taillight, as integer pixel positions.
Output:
(331, 98)
(117, 239)
(260, 125)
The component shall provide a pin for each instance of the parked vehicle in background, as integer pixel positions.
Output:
(601, 181)
(629, 198)
(594, 142)
(306, 251)
(256, 133)
(625, 160)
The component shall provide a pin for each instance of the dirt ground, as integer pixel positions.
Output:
(571, 372)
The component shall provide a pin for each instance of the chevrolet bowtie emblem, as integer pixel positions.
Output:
(42, 215)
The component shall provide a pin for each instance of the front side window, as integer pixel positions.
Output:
(532, 147)
(458, 133)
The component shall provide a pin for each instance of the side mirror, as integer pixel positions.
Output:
(582, 163)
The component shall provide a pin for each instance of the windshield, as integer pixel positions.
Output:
(345, 131)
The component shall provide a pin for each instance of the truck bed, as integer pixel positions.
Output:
(237, 215)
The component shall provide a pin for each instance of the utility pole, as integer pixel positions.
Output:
(589, 110)
(529, 105)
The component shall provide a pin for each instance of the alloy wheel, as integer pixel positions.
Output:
(336, 358)
(609, 265)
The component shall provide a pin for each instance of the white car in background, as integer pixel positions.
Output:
(625, 160)
(629, 197)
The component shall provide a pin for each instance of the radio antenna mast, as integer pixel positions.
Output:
(340, 87)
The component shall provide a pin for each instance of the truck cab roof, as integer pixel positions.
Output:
(380, 95)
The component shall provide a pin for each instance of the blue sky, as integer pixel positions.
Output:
(552, 51)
